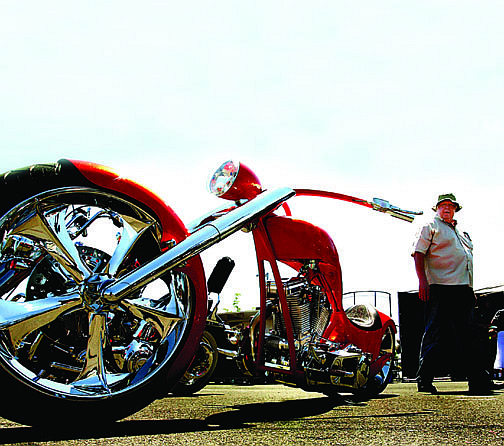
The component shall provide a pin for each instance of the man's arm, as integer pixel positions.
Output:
(423, 285)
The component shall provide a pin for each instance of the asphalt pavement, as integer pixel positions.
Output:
(277, 415)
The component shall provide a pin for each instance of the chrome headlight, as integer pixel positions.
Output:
(234, 181)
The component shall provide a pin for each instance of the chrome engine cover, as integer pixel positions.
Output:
(308, 308)
(324, 362)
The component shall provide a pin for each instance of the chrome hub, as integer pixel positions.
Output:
(90, 291)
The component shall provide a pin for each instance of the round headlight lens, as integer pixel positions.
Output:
(223, 178)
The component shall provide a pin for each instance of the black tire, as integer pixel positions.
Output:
(201, 369)
(68, 356)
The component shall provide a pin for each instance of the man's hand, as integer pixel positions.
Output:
(423, 290)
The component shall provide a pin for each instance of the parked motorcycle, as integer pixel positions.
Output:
(218, 338)
(103, 295)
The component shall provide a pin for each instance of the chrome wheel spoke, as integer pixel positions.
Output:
(51, 232)
(19, 319)
(131, 233)
(93, 376)
(164, 320)
(159, 303)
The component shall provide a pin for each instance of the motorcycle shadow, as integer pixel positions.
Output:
(244, 415)
(235, 416)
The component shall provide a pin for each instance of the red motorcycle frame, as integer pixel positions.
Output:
(92, 335)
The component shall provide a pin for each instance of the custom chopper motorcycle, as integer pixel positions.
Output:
(103, 294)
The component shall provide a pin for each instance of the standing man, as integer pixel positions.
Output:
(444, 266)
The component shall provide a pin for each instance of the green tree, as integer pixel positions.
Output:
(236, 304)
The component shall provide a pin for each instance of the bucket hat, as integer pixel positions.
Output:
(447, 197)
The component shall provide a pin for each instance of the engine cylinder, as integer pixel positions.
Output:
(307, 312)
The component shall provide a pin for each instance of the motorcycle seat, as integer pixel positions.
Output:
(364, 316)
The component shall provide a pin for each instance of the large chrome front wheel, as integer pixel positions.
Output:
(67, 354)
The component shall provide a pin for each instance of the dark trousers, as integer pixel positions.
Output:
(449, 341)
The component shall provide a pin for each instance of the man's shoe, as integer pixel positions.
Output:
(427, 388)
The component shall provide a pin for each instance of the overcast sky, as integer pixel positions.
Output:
(397, 99)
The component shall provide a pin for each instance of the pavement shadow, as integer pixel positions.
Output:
(129, 428)
(242, 415)
(237, 416)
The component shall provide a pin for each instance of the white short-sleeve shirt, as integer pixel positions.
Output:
(448, 253)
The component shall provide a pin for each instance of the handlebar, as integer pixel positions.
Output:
(378, 204)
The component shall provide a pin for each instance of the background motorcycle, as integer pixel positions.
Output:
(218, 338)
(103, 297)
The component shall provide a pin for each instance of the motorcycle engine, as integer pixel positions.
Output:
(308, 308)
(309, 312)
(325, 363)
